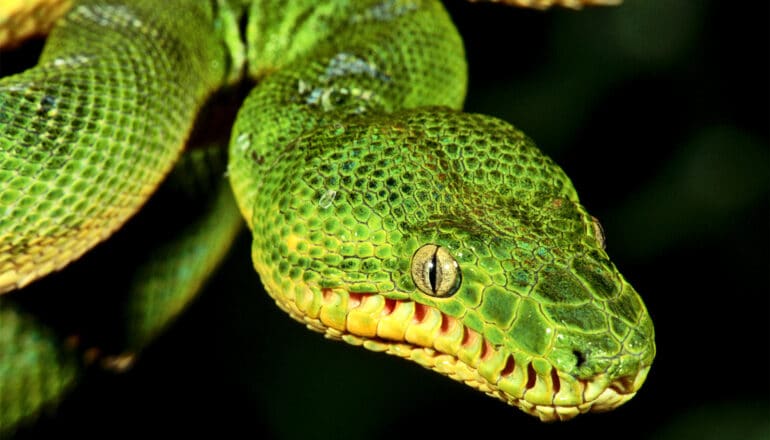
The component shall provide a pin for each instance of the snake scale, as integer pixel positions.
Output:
(381, 214)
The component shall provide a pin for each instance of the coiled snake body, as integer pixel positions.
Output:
(381, 214)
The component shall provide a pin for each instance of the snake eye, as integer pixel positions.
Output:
(435, 272)
(599, 232)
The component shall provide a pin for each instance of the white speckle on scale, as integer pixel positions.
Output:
(327, 198)
(72, 61)
(243, 142)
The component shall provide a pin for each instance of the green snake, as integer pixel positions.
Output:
(381, 214)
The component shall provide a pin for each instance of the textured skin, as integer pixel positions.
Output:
(37, 367)
(340, 197)
(175, 271)
(71, 169)
(34, 370)
(345, 159)
(89, 156)
(543, 320)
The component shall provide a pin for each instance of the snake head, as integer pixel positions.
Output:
(450, 240)
(551, 327)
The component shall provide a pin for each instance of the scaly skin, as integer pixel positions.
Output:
(380, 215)
(80, 150)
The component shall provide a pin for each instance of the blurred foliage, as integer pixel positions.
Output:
(658, 110)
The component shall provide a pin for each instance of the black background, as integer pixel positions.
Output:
(658, 111)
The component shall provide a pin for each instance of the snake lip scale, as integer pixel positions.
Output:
(423, 338)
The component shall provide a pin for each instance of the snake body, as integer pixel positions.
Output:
(381, 215)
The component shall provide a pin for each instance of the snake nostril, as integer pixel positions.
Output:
(580, 358)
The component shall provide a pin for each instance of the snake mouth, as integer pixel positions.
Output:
(442, 343)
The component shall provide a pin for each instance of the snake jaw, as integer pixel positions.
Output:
(442, 343)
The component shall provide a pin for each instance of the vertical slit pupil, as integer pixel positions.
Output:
(433, 272)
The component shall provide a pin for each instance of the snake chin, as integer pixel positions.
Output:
(442, 343)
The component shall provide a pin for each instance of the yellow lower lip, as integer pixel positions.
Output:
(442, 343)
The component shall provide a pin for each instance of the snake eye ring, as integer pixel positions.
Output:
(435, 271)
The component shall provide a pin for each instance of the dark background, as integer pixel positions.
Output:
(658, 110)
